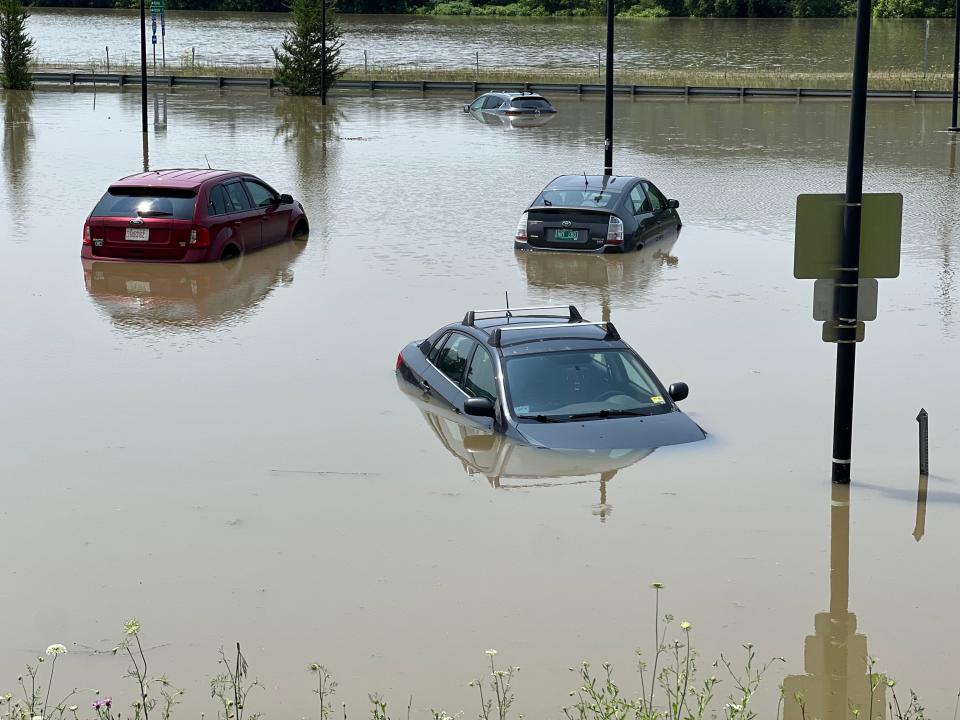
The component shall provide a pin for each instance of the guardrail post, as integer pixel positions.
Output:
(122, 80)
(474, 87)
(269, 83)
(686, 91)
(73, 78)
(169, 80)
(220, 81)
(741, 93)
(798, 93)
(423, 86)
(579, 88)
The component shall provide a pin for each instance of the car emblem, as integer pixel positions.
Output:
(566, 223)
(137, 221)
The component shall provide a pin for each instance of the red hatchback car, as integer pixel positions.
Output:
(189, 216)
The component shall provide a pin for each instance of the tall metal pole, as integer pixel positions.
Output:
(608, 97)
(323, 52)
(956, 65)
(849, 274)
(143, 67)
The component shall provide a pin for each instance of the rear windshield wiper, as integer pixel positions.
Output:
(154, 213)
(612, 413)
(541, 418)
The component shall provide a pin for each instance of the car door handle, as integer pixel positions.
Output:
(237, 223)
(425, 386)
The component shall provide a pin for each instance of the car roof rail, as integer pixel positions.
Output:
(496, 337)
(573, 315)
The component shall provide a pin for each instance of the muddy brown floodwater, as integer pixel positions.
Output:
(222, 450)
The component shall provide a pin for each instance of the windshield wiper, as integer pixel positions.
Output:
(541, 418)
(612, 413)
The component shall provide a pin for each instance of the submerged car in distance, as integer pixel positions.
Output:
(546, 379)
(511, 104)
(189, 216)
(597, 213)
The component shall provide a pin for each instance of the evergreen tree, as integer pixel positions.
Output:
(16, 46)
(299, 56)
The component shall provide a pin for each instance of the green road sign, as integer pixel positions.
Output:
(819, 234)
(830, 331)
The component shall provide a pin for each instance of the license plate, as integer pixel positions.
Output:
(138, 286)
(138, 234)
(566, 235)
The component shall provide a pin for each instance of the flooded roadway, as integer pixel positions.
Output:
(222, 451)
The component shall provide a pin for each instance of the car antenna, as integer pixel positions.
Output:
(586, 183)
(208, 161)
(506, 295)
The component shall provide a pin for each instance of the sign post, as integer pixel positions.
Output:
(608, 96)
(143, 67)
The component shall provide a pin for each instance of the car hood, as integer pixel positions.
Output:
(632, 433)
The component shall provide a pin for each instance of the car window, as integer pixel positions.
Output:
(452, 360)
(481, 381)
(237, 197)
(438, 346)
(531, 104)
(578, 198)
(492, 102)
(640, 202)
(478, 103)
(262, 197)
(131, 202)
(656, 199)
(217, 202)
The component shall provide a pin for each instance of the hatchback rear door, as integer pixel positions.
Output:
(142, 223)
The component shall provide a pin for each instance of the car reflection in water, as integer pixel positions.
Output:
(509, 465)
(512, 121)
(176, 297)
(597, 278)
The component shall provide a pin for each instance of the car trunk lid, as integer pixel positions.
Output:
(568, 228)
(142, 223)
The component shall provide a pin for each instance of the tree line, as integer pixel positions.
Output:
(625, 8)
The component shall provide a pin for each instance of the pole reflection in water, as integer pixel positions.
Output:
(837, 679)
(146, 152)
(920, 525)
(582, 278)
(168, 298)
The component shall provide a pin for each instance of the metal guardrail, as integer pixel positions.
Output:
(121, 79)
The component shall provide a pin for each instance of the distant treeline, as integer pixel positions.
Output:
(625, 8)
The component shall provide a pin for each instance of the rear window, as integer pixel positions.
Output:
(129, 202)
(531, 104)
(577, 198)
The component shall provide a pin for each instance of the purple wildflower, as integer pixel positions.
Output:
(108, 702)
(97, 704)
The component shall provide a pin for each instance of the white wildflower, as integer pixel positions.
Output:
(56, 649)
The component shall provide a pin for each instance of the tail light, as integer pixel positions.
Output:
(521, 235)
(512, 112)
(399, 361)
(615, 231)
(87, 235)
(199, 237)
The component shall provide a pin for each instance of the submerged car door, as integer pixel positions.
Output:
(274, 217)
(244, 217)
(664, 217)
(444, 372)
(647, 227)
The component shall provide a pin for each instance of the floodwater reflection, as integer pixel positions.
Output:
(508, 465)
(173, 297)
(17, 139)
(837, 679)
(512, 121)
(604, 279)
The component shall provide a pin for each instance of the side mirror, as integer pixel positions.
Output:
(673, 204)
(466, 108)
(286, 200)
(478, 407)
(679, 391)
(478, 443)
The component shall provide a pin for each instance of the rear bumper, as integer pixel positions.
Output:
(194, 255)
(582, 251)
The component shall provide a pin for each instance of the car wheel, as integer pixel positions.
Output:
(229, 252)
(301, 231)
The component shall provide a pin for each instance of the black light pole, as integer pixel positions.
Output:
(323, 52)
(956, 65)
(143, 68)
(608, 97)
(849, 275)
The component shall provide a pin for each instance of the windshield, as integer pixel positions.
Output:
(129, 202)
(584, 197)
(582, 383)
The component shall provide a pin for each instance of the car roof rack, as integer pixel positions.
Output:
(611, 332)
(573, 315)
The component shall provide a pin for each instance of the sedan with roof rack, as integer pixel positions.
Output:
(597, 213)
(191, 215)
(547, 379)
